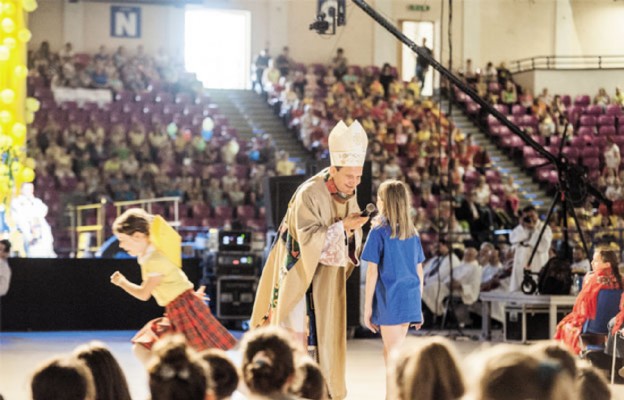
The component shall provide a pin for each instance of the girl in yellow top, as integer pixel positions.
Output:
(163, 278)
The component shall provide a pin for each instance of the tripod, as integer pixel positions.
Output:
(573, 187)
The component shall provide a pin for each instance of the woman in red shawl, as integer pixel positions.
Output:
(604, 275)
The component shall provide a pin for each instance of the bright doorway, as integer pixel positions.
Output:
(416, 31)
(217, 47)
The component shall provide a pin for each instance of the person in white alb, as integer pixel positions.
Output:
(465, 284)
(5, 271)
(523, 239)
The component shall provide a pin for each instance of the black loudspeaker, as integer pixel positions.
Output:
(277, 194)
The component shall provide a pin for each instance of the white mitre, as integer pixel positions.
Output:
(347, 145)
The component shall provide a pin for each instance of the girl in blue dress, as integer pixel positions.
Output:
(394, 278)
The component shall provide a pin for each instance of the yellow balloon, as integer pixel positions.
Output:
(18, 132)
(8, 8)
(7, 24)
(7, 96)
(4, 170)
(4, 53)
(30, 117)
(5, 117)
(29, 5)
(32, 104)
(30, 162)
(24, 35)
(10, 42)
(6, 142)
(20, 71)
(28, 175)
(16, 168)
(4, 184)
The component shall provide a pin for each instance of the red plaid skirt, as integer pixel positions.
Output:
(190, 316)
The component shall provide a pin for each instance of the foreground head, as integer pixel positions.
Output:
(63, 378)
(110, 381)
(177, 372)
(557, 351)
(518, 375)
(268, 360)
(429, 372)
(309, 381)
(223, 373)
(591, 384)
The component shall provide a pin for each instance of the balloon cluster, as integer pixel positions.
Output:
(15, 109)
(187, 134)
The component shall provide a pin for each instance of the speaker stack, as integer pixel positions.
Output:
(236, 271)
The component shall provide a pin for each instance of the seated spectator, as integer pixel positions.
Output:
(229, 179)
(525, 98)
(222, 373)
(478, 217)
(435, 271)
(546, 126)
(602, 98)
(392, 169)
(495, 278)
(99, 76)
(481, 87)
(580, 262)
(604, 275)
(468, 72)
(612, 157)
(108, 377)
(464, 284)
(230, 151)
(618, 98)
(66, 53)
(177, 372)
(504, 74)
(509, 97)
(490, 73)
(63, 378)
(268, 364)
(429, 371)
(284, 165)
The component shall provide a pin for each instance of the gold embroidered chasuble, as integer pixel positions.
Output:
(293, 265)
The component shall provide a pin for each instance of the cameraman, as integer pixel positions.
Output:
(523, 240)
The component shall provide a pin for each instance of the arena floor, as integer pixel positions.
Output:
(22, 352)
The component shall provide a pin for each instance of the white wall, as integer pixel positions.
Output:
(572, 82)
(484, 30)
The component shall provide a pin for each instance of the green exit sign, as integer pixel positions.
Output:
(418, 7)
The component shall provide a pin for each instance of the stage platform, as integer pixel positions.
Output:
(22, 352)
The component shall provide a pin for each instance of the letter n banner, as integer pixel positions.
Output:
(125, 22)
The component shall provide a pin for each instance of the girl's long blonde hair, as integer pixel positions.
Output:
(397, 203)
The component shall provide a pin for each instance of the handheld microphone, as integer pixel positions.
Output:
(370, 208)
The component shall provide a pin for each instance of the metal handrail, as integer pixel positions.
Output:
(567, 63)
(77, 217)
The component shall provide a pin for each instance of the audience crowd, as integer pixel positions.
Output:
(273, 367)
